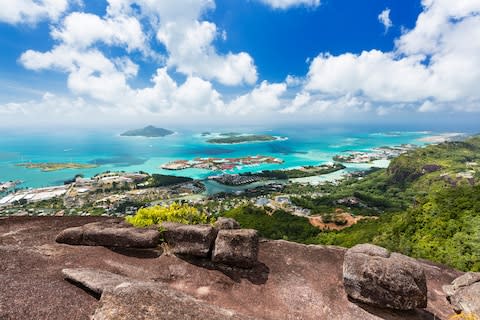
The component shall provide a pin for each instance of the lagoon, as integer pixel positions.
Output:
(108, 150)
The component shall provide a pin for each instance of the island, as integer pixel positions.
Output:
(55, 166)
(301, 172)
(220, 164)
(234, 138)
(148, 131)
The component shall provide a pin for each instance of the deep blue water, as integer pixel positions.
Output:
(303, 146)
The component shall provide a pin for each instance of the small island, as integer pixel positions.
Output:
(55, 166)
(218, 164)
(234, 138)
(148, 131)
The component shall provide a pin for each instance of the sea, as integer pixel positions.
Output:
(113, 152)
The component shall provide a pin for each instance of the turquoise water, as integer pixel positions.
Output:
(306, 146)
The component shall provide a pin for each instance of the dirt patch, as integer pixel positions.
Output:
(344, 220)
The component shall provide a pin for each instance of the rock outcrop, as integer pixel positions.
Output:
(127, 298)
(464, 293)
(374, 276)
(290, 280)
(236, 247)
(93, 279)
(189, 240)
(226, 223)
(110, 234)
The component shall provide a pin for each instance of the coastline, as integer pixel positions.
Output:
(300, 151)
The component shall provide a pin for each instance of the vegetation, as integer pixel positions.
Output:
(173, 213)
(53, 166)
(444, 227)
(234, 138)
(279, 225)
(307, 171)
(149, 131)
(161, 180)
(432, 205)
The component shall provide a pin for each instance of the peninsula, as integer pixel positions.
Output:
(148, 131)
(55, 166)
(234, 138)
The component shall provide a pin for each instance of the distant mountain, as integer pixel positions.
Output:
(149, 131)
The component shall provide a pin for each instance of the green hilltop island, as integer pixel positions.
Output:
(148, 131)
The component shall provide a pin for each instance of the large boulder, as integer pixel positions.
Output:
(374, 276)
(464, 293)
(236, 248)
(149, 300)
(189, 240)
(226, 223)
(110, 234)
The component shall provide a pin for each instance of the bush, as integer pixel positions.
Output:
(279, 225)
(174, 213)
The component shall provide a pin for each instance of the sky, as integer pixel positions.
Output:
(225, 62)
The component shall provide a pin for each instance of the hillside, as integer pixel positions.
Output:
(427, 203)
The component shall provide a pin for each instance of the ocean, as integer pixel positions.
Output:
(110, 151)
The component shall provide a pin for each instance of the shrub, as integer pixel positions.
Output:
(173, 213)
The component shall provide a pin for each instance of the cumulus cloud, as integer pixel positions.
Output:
(31, 11)
(191, 52)
(285, 4)
(189, 40)
(437, 61)
(384, 18)
(265, 97)
(82, 30)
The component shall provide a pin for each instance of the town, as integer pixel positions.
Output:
(382, 153)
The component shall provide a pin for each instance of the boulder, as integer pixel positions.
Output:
(189, 240)
(150, 300)
(236, 248)
(374, 276)
(464, 293)
(110, 234)
(72, 236)
(93, 279)
(226, 223)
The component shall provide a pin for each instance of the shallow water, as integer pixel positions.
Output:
(307, 146)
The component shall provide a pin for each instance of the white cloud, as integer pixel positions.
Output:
(377, 75)
(31, 11)
(189, 40)
(82, 30)
(436, 61)
(264, 98)
(191, 52)
(301, 99)
(384, 18)
(285, 4)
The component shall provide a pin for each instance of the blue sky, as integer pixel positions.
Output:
(72, 61)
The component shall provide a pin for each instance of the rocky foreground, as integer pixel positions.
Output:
(290, 281)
